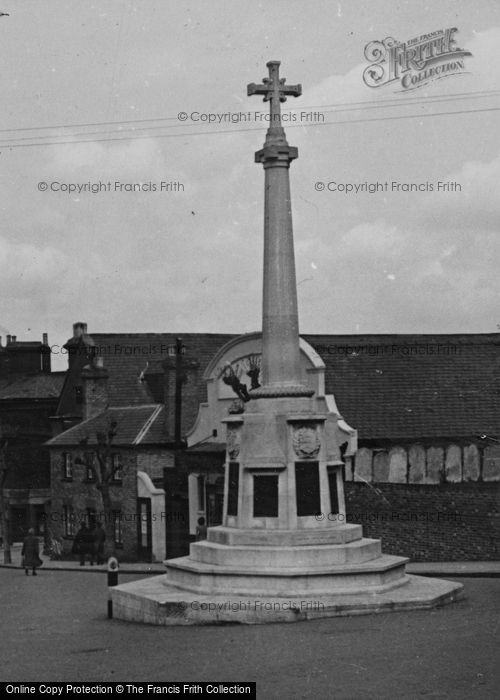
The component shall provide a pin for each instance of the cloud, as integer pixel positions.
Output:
(28, 269)
(473, 206)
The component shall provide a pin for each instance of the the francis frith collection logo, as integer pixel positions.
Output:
(416, 62)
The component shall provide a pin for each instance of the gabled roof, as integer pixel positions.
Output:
(135, 425)
(128, 355)
(34, 386)
(414, 386)
(132, 361)
(391, 387)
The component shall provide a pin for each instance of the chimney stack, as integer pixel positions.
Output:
(80, 346)
(95, 388)
(45, 350)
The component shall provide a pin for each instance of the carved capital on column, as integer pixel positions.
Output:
(276, 155)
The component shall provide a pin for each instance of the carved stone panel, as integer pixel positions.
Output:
(491, 463)
(398, 465)
(471, 463)
(233, 439)
(453, 464)
(363, 465)
(416, 459)
(435, 465)
(306, 441)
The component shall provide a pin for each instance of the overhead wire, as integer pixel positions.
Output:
(132, 137)
(338, 107)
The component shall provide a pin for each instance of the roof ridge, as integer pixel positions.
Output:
(147, 425)
(131, 407)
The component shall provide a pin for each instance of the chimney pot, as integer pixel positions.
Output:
(9, 338)
(45, 339)
(14, 338)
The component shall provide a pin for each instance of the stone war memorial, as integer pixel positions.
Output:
(285, 551)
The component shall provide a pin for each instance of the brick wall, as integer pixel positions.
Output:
(154, 460)
(26, 456)
(446, 522)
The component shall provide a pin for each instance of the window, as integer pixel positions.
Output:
(67, 466)
(117, 467)
(90, 518)
(69, 521)
(201, 493)
(307, 488)
(233, 486)
(117, 527)
(265, 496)
(89, 466)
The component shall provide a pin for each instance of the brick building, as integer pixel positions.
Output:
(129, 380)
(29, 393)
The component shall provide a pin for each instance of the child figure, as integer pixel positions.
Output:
(201, 530)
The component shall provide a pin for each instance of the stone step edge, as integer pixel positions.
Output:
(222, 531)
(372, 566)
(356, 544)
(337, 605)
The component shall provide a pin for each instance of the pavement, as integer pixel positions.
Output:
(74, 564)
(469, 569)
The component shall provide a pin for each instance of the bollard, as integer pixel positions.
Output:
(112, 581)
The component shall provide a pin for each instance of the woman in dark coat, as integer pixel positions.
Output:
(29, 552)
(83, 544)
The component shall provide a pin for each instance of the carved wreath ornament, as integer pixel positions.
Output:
(306, 441)
(233, 443)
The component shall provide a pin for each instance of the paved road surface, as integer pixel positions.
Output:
(54, 628)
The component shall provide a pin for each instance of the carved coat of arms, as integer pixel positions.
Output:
(306, 441)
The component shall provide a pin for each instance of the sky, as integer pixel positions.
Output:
(191, 260)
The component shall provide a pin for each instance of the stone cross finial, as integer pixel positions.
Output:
(274, 91)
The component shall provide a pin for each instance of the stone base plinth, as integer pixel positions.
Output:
(153, 601)
(254, 577)
(342, 534)
(381, 573)
(253, 557)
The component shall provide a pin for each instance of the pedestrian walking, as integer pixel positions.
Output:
(99, 540)
(30, 553)
(83, 544)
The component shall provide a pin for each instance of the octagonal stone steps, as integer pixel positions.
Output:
(153, 601)
(379, 573)
(328, 534)
(253, 556)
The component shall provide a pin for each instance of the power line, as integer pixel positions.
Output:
(347, 106)
(192, 125)
(256, 129)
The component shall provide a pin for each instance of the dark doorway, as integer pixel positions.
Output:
(215, 502)
(19, 523)
(176, 514)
